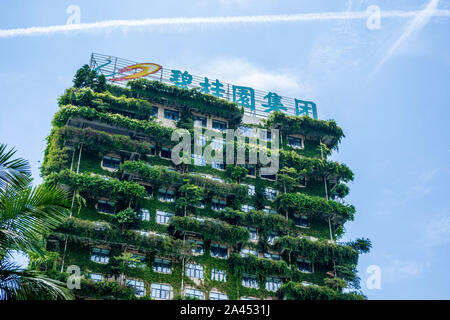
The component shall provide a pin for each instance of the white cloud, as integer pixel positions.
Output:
(436, 231)
(395, 269)
(242, 72)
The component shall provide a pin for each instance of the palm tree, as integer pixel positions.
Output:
(26, 214)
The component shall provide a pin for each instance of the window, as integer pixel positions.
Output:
(162, 265)
(250, 281)
(250, 168)
(271, 238)
(304, 266)
(137, 264)
(301, 221)
(159, 235)
(194, 271)
(219, 250)
(199, 160)
(248, 298)
(139, 287)
(218, 204)
(217, 296)
(216, 179)
(202, 203)
(273, 284)
(199, 219)
(247, 207)
(251, 189)
(268, 176)
(269, 135)
(306, 284)
(245, 252)
(105, 206)
(166, 153)
(199, 121)
(144, 214)
(160, 291)
(198, 247)
(143, 233)
(217, 165)
(269, 210)
(99, 226)
(149, 191)
(152, 149)
(295, 142)
(100, 255)
(111, 162)
(171, 115)
(163, 217)
(302, 181)
(194, 293)
(154, 111)
(253, 233)
(95, 277)
(218, 275)
(217, 144)
(270, 193)
(166, 195)
(219, 125)
(271, 256)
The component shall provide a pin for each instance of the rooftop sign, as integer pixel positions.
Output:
(255, 102)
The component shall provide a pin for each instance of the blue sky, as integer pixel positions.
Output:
(387, 88)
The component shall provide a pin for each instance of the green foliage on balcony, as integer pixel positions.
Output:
(92, 185)
(317, 251)
(106, 102)
(153, 129)
(303, 204)
(94, 140)
(265, 222)
(306, 126)
(255, 265)
(211, 229)
(297, 291)
(84, 230)
(160, 176)
(99, 290)
(192, 99)
(314, 166)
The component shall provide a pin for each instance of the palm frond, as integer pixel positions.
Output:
(13, 171)
(18, 284)
(28, 214)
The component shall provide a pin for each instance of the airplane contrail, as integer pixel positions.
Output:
(181, 21)
(419, 21)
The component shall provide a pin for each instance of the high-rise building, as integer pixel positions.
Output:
(142, 226)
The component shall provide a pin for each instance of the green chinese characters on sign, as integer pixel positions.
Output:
(273, 103)
(214, 88)
(244, 96)
(305, 108)
(181, 79)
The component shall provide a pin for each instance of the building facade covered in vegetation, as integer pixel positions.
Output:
(142, 227)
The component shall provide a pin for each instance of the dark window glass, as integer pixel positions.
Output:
(219, 251)
(200, 121)
(111, 162)
(155, 112)
(171, 115)
(219, 125)
(166, 153)
(105, 206)
(301, 221)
